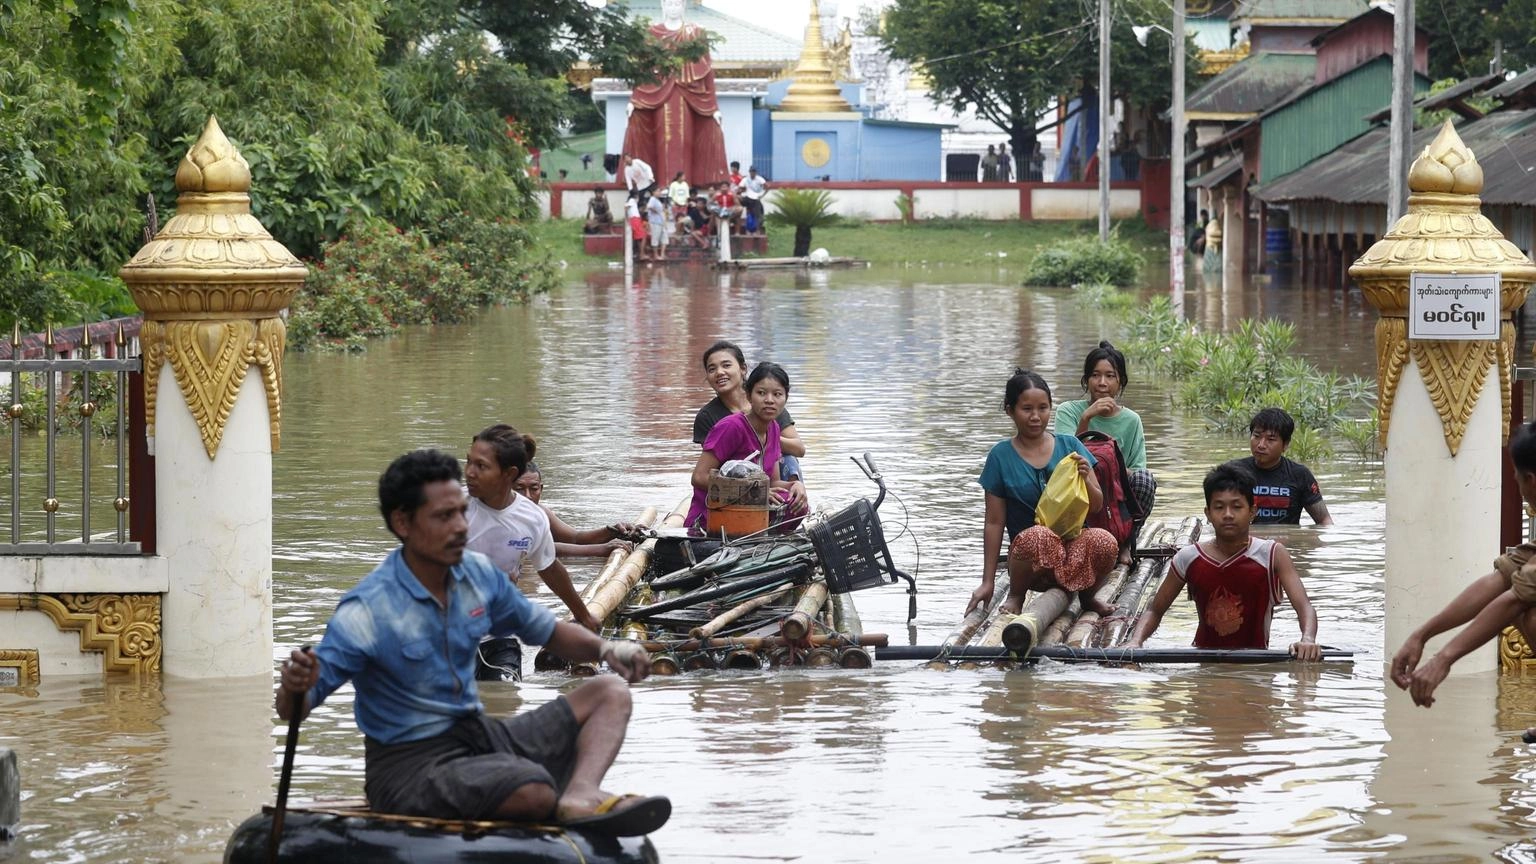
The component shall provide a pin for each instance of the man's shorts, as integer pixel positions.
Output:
(1518, 568)
(468, 771)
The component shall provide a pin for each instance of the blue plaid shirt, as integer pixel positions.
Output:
(411, 660)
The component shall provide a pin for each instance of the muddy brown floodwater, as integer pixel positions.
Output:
(893, 764)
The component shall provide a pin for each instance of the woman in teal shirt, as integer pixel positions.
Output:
(1104, 377)
(1014, 477)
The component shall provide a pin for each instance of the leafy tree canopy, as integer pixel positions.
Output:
(1010, 60)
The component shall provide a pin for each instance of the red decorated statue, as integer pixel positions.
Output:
(674, 124)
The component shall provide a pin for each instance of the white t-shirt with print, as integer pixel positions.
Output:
(511, 536)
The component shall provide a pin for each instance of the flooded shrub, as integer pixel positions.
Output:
(377, 278)
(1228, 377)
(1085, 261)
(1106, 298)
(501, 257)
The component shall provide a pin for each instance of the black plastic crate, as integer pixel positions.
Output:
(851, 546)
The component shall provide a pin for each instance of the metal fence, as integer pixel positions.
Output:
(60, 366)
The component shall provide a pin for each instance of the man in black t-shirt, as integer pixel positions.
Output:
(1282, 487)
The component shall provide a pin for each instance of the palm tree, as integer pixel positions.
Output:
(805, 209)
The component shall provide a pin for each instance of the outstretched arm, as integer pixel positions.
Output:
(559, 581)
(1147, 624)
(991, 542)
(1290, 582)
(1459, 611)
(625, 657)
(1489, 623)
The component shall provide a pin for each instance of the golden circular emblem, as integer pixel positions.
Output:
(816, 153)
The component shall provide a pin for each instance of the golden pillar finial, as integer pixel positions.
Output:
(814, 91)
(1443, 231)
(211, 285)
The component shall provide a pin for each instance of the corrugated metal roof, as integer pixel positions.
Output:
(1253, 84)
(1436, 101)
(1356, 173)
(1514, 86)
(1215, 176)
(1316, 120)
(1322, 10)
(740, 41)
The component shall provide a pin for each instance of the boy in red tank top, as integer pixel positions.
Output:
(1235, 579)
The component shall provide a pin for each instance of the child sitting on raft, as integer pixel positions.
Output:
(1234, 578)
(1014, 478)
(1506, 596)
(753, 436)
(1104, 378)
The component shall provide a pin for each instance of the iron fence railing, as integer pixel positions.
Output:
(63, 365)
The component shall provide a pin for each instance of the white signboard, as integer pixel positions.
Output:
(1453, 306)
(10, 676)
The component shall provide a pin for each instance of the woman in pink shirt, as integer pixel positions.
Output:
(752, 435)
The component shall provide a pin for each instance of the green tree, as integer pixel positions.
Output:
(1463, 34)
(1032, 54)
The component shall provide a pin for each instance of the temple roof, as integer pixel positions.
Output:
(741, 43)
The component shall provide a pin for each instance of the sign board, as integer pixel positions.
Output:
(1453, 306)
(10, 676)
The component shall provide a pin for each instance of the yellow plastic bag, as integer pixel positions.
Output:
(1063, 506)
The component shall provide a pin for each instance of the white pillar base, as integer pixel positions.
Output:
(1442, 512)
(213, 524)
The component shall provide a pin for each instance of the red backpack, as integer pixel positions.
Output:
(1119, 514)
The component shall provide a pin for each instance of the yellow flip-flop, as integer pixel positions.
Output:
(644, 815)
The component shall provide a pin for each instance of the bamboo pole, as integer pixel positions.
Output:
(855, 658)
(1134, 598)
(1055, 633)
(1026, 628)
(736, 612)
(615, 560)
(845, 618)
(612, 594)
(1083, 628)
(765, 643)
(741, 658)
(971, 623)
(547, 660)
(798, 624)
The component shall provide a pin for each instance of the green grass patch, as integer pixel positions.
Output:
(568, 156)
(933, 242)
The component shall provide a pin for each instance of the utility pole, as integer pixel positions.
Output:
(1400, 153)
(1176, 169)
(1103, 120)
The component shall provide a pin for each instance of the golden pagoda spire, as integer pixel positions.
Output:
(814, 90)
(212, 286)
(1443, 231)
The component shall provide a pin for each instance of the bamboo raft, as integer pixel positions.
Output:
(1054, 619)
(760, 603)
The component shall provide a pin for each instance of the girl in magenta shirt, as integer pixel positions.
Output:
(740, 435)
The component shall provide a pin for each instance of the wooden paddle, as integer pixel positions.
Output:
(295, 711)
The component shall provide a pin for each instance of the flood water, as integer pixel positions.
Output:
(894, 764)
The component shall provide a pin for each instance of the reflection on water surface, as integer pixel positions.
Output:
(892, 764)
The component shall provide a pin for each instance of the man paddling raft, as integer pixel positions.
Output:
(406, 637)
